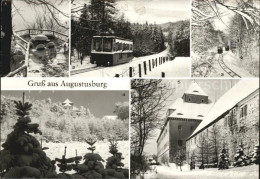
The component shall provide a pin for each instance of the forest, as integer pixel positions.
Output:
(102, 18)
(240, 31)
(59, 124)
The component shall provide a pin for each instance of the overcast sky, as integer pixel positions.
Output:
(159, 11)
(24, 14)
(100, 103)
(214, 88)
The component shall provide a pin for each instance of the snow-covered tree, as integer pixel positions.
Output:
(114, 164)
(22, 155)
(255, 156)
(223, 160)
(92, 166)
(240, 158)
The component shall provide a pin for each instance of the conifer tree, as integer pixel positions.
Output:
(255, 156)
(22, 155)
(92, 167)
(223, 160)
(65, 164)
(240, 158)
(114, 164)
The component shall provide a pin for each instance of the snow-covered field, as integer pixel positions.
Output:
(180, 67)
(56, 150)
(247, 172)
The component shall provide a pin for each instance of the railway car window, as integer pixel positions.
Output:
(107, 45)
(97, 45)
(120, 46)
(116, 46)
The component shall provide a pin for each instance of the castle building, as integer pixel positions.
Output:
(233, 121)
(67, 104)
(182, 118)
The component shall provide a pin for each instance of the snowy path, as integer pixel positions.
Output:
(180, 67)
(36, 64)
(247, 172)
(232, 62)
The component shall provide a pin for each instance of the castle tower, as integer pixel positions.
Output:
(67, 104)
(182, 118)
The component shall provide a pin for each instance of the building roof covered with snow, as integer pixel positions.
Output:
(182, 109)
(67, 103)
(195, 89)
(193, 105)
(226, 102)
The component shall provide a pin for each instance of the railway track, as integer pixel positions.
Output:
(226, 68)
(84, 70)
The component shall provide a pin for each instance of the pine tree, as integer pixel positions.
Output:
(114, 164)
(240, 158)
(22, 155)
(255, 156)
(223, 160)
(92, 166)
(65, 164)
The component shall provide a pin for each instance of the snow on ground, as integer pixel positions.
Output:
(180, 67)
(210, 65)
(76, 63)
(231, 61)
(36, 64)
(164, 172)
(56, 150)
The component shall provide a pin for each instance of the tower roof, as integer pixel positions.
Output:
(195, 90)
(67, 102)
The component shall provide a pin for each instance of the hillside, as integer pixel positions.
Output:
(59, 124)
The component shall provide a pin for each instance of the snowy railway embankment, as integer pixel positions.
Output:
(157, 65)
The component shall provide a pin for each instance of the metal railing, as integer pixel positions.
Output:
(21, 71)
(25, 45)
(59, 35)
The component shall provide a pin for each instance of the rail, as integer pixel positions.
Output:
(226, 68)
(59, 35)
(21, 71)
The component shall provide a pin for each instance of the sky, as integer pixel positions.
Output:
(214, 88)
(100, 103)
(24, 14)
(152, 11)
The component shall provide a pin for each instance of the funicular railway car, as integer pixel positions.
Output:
(110, 50)
(220, 49)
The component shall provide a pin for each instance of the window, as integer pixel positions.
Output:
(243, 111)
(97, 44)
(189, 99)
(179, 128)
(180, 143)
(107, 45)
(202, 100)
(120, 46)
(116, 46)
